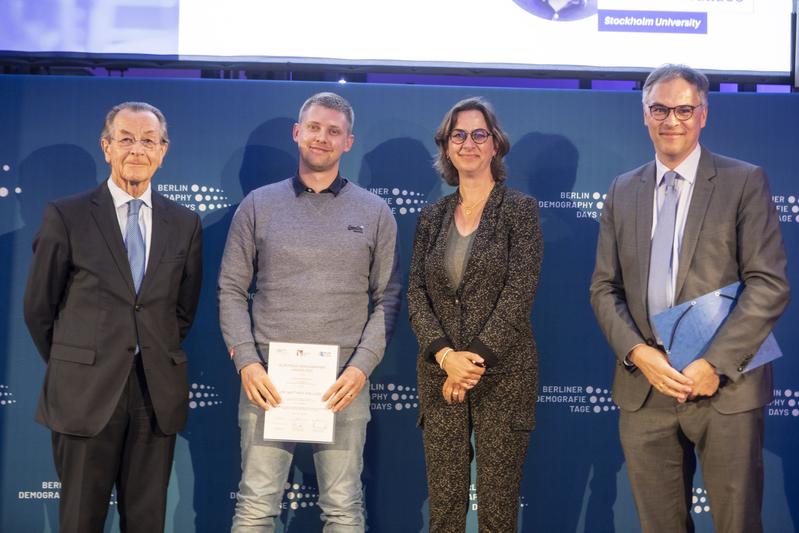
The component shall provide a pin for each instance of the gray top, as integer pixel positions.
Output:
(459, 248)
(320, 262)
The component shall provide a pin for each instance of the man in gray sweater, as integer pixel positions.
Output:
(323, 254)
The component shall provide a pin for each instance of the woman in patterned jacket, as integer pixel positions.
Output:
(476, 259)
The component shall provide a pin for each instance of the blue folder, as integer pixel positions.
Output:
(686, 330)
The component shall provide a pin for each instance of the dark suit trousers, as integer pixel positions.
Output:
(501, 445)
(131, 453)
(659, 442)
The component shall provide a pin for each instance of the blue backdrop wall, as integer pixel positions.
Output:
(229, 137)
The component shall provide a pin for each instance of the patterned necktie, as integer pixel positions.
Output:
(661, 257)
(134, 242)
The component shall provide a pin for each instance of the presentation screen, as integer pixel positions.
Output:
(736, 37)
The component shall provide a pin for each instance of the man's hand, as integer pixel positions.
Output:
(341, 394)
(258, 386)
(453, 393)
(463, 368)
(703, 374)
(656, 368)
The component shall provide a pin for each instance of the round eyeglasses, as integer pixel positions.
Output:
(128, 142)
(479, 136)
(682, 112)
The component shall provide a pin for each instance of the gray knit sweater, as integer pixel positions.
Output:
(326, 271)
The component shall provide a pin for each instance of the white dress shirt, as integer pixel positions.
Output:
(685, 189)
(121, 199)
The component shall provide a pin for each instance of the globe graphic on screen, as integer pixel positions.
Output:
(559, 10)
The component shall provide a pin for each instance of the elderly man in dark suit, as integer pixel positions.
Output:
(679, 227)
(111, 293)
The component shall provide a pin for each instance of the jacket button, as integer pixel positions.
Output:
(741, 368)
(457, 301)
(138, 307)
(650, 342)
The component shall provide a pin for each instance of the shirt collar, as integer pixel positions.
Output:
(121, 197)
(334, 188)
(687, 169)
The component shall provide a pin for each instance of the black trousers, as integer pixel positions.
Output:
(130, 453)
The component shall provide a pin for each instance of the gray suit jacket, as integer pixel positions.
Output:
(731, 234)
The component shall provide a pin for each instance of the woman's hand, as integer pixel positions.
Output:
(452, 392)
(463, 368)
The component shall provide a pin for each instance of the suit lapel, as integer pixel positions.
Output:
(643, 222)
(158, 239)
(104, 214)
(440, 247)
(700, 200)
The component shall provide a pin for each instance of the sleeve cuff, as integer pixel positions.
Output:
(244, 354)
(723, 368)
(477, 346)
(434, 347)
(365, 361)
(627, 363)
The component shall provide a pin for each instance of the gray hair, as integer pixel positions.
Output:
(670, 72)
(330, 101)
(136, 107)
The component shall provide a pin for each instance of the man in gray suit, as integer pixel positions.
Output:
(678, 227)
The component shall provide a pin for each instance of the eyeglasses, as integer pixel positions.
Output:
(128, 142)
(682, 112)
(479, 136)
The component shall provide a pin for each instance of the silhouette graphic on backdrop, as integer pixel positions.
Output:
(213, 433)
(393, 442)
(77, 172)
(544, 165)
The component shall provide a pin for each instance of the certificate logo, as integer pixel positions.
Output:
(578, 399)
(195, 196)
(586, 205)
(393, 397)
(787, 206)
(401, 201)
(6, 396)
(202, 395)
(785, 403)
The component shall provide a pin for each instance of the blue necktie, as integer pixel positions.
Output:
(661, 260)
(134, 242)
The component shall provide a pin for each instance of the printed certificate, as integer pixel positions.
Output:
(301, 373)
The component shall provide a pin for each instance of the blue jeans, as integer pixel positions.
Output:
(265, 468)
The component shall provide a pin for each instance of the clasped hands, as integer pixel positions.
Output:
(262, 392)
(697, 379)
(464, 370)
